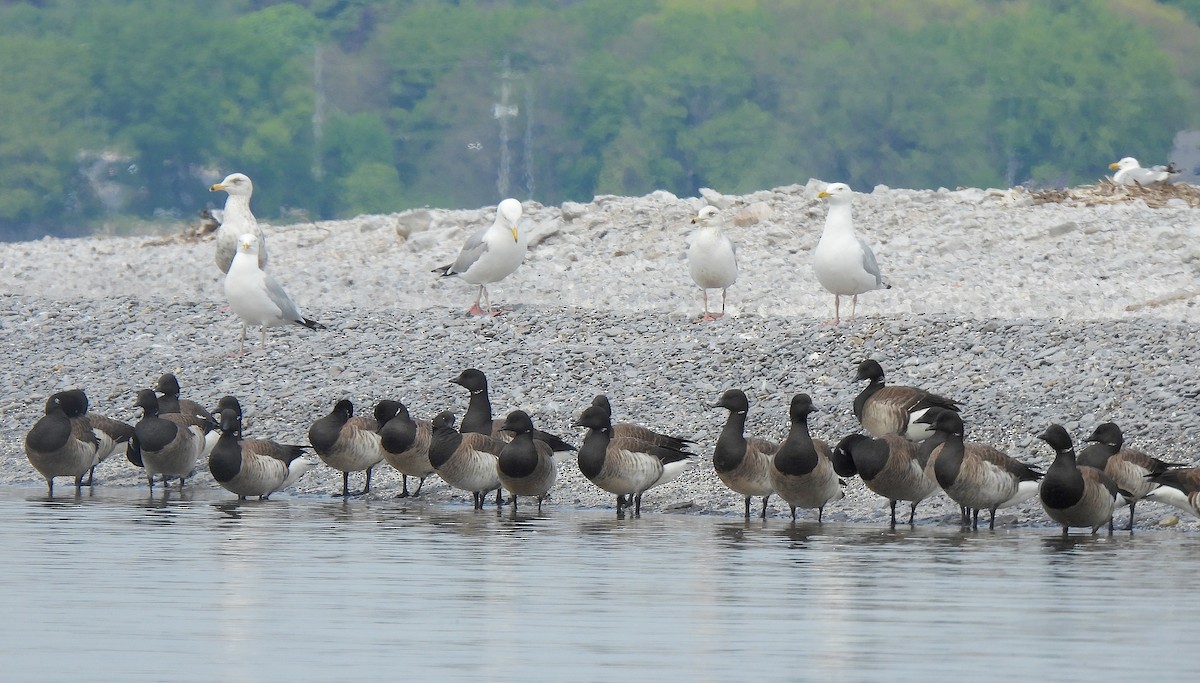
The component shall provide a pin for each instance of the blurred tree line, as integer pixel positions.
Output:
(115, 110)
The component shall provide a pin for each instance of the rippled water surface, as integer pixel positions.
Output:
(119, 586)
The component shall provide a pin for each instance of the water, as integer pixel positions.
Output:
(117, 585)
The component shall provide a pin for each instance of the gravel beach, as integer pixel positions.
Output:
(1026, 313)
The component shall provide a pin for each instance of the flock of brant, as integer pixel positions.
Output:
(913, 448)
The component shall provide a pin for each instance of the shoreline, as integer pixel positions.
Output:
(1013, 377)
(1026, 314)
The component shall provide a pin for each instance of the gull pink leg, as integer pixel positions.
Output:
(475, 309)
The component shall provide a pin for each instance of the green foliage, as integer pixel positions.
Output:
(337, 107)
(372, 187)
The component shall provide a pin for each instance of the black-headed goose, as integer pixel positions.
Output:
(801, 471)
(893, 409)
(347, 443)
(526, 465)
(1179, 487)
(165, 445)
(625, 465)
(169, 401)
(743, 464)
(640, 432)
(405, 443)
(1073, 495)
(974, 475)
(889, 466)
(253, 467)
(1132, 470)
(465, 461)
(58, 446)
(109, 433)
(478, 418)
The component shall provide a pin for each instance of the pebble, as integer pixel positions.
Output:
(1024, 332)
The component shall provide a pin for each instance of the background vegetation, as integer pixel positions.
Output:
(119, 110)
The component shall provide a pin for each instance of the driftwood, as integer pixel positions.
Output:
(1107, 192)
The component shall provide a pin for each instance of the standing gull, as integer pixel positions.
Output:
(843, 262)
(490, 255)
(1130, 172)
(237, 221)
(712, 260)
(256, 297)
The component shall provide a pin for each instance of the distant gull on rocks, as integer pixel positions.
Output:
(843, 262)
(237, 221)
(712, 259)
(1130, 172)
(256, 297)
(490, 255)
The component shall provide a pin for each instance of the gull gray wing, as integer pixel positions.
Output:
(287, 308)
(869, 263)
(472, 249)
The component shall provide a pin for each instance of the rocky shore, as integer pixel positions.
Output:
(1027, 313)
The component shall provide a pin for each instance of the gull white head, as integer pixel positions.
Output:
(837, 193)
(235, 184)
(1125, 164)
(248, 244)
(707, 216)
(509, 211)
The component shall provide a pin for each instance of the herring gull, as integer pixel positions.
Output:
(712, 259)
(490, 255)
(843, 262)
(256, 297)
(237, 221)
(1130, 172)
